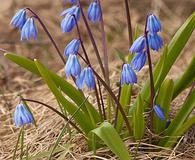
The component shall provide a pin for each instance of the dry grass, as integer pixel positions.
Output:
(14, 81)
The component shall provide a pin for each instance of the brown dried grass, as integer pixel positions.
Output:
(15, 81)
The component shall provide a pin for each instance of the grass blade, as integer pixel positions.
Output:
(178, 121)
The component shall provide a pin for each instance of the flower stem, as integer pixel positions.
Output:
(56, 111)
(130, 33)
(104, 45)
(152, 89)
(102, 101)
(48, 34)
(113, 96)
(92, 40)
(88, 62)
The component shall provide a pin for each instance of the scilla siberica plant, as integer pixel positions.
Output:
(153, 102)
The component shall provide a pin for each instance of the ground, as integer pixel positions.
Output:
(14, 80)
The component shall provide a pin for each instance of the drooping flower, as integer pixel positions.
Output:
(22, 115)
(29, 30)
(138, 45)
(94, 12)
(153, 24)
(87, 77)
(168, 123)
(155, 41)
(68, 23)
(128, 76)
(72, 66)
(139, 61)
(71, 1)
(72, 47)
(159, 112)
(19, 19)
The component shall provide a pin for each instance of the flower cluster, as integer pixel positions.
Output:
(139, 46)
(70, 20)
(25, 24)
(73, 13)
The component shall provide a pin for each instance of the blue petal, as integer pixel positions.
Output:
(138, 45)
(81, 79)
(90, 80)
(159, 112)
(94, 12)
(138, 61)
(72, 47)
(22, 115)
(154, 25)
(155, 41)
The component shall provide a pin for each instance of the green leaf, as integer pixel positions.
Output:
(111, 138)
(163, 99)
(125, 99)
(66, 87)
(138, 119)
(81, 118)
(186, 79)
(174, 50)
(178, 121)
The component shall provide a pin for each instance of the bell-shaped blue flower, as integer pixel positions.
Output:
(168, 123)
(153, 24)
(68, 23)
(71, 1)
(155, 41)
(128, 76)
(94, 12)
(159, 112)
(138, 45)
(22, 115)
(29, 30)
(19, 19)
(72, 47)
(72, 66)
(139, 61)
(87, 77)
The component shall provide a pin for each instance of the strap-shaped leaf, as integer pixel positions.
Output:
(163, 99)
(66, 87)
(81, 118)
(125, 99)
(178, 121)
(138, 119)
(111, 138)
(174, 50)
(186, 79)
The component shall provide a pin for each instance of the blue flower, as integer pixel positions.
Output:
(87, 77)
(72, 66)
(168, 123)
(153, 23)
(72, 47)
(155, 41)
(68, 23)
(22, 115)
(19, 19)
(71, 1)
(29, 30)
(128, 76)
(139, 61)
(138, 45)
(159, 112)
(94, 12)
